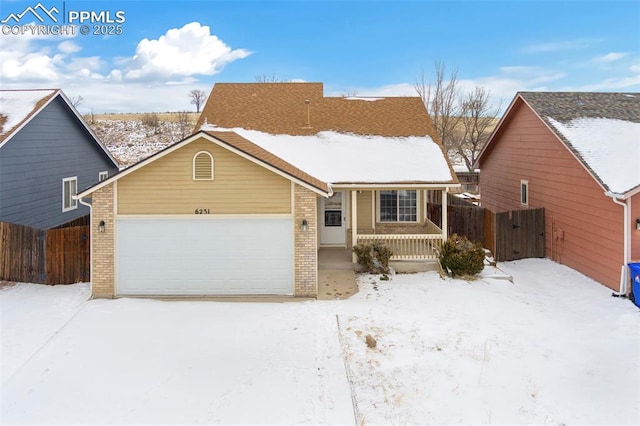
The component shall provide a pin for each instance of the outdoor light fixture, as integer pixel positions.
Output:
(101, 226)
(638, 224)
(305, 225)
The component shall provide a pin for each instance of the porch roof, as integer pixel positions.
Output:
(342, 159)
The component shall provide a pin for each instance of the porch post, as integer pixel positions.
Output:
(354, 224)
(444, 214)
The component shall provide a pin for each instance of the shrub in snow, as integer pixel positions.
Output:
(462, 257)
(374, 257)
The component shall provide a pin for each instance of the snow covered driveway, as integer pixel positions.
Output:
(143, 361)
(551, 348)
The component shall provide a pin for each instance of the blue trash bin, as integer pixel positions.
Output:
(635, 282)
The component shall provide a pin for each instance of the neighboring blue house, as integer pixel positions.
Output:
(47, 154)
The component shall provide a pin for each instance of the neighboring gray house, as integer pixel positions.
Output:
(47, 154)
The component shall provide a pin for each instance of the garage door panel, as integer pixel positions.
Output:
(205, 257)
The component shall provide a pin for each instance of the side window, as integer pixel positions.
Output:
(69, 189)
(102, 176)
(203, 166)
(524, 193)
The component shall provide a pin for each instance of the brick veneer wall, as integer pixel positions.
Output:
(305, 244)
(103, 243)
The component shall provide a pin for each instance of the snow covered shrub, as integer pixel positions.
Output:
(374, 257)
(461, 256)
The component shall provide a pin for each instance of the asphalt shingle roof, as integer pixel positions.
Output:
(607, 123)
(302, 109)
(566, 106)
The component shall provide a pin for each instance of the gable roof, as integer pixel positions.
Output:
(302, 109)
(234, 143)
(19, 107)
(601, 130)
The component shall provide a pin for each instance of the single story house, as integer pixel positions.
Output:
(47, 152)
(273, 173)
(578, 156)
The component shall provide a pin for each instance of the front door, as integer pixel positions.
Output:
(333, 219)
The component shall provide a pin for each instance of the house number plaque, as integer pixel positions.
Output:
(202, 211)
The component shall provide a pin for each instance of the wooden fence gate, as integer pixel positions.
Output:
(68, 255)
(519, 234)
(55, 256)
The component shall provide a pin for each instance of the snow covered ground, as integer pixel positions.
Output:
(551, 348)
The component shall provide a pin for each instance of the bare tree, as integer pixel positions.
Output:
(76, 101)
(266, 78)
(440, 97)
(477, 120)
(152, 121)
(184, 124)
(91, 117)
(197, 98)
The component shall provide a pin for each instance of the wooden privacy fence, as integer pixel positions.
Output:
(467, 220)
(55, 256)
(511, 235)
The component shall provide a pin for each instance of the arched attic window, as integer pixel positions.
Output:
(202, 166)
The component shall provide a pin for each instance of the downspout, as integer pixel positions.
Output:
(81, 201)
(623, 271)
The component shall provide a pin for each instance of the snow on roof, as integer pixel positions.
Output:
(16, 105)
(609, 147)
(347, 158)
(358, 98)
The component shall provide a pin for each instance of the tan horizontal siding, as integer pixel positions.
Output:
(240, 186)
(364, 210)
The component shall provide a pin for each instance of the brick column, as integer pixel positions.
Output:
(103, 244)
(305, 243)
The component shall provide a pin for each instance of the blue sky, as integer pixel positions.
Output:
(372, 48)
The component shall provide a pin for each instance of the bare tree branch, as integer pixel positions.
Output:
(440, 99)
(266, 78)
(76, 101)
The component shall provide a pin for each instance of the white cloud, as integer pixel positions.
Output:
(611, 57)
(556, 46)
(635, 68)
(630, 83)
(157, 78)
(28, 67)
(69, 47)
(190, 50)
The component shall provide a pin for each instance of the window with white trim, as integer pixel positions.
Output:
(398, 206)
(69, 189)
(103, 176)
(524, 193)
(203, 166)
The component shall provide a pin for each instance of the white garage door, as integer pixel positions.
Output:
(204, 256)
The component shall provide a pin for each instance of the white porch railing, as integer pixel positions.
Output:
(407, 246)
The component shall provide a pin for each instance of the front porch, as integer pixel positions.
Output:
(395, 217)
